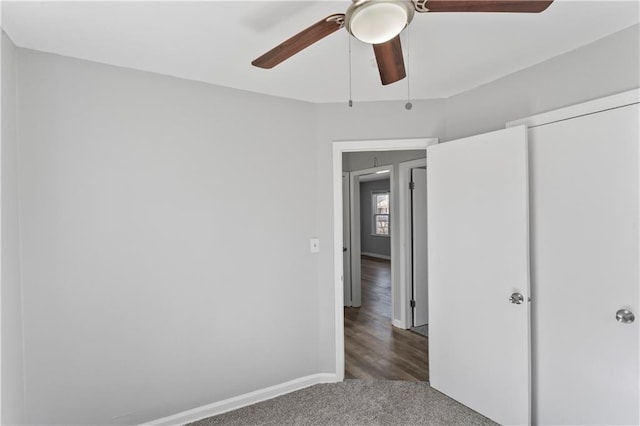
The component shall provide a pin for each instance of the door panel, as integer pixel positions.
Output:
(584, 198)
(346, 238)
(478, 239)
(419, 245)
(355, 246)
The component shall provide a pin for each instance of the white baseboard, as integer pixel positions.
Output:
(376, 255)
(399, 324)
(240, 401)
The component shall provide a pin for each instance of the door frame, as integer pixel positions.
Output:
(338, 147)
(404, 230)
(618, 100)
(347, 281)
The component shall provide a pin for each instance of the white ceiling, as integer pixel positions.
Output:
(215, 41)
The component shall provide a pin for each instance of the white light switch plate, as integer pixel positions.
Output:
(315, 245)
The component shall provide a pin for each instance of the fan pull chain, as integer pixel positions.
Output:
(350, 99)
(408, 105)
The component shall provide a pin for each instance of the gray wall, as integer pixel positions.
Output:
(372, 243)
(605, 67)
(352, 161)
(12, 340)
(146, 202)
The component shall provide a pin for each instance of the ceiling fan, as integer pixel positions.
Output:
(379, 23)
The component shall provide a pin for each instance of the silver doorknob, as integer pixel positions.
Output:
(625, 316)
(516, 298)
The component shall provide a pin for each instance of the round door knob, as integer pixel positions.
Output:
(516, 298)
(625, 316)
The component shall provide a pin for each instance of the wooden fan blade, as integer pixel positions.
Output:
(303, 39)
(390, 60)
(513, 6)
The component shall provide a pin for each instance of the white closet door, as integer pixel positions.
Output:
(478, 240)
(584, 198)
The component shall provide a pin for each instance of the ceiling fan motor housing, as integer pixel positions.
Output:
(378, 21)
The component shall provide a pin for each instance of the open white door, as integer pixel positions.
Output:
(419, 246)
(478, 242)
(346, 238)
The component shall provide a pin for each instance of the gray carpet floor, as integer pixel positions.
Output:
(421, 329)
(355, 402)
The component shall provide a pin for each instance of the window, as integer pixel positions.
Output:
(380, 208)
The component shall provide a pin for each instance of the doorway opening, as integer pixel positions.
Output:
(384, 281)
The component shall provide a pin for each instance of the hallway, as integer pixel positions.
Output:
(374, 349)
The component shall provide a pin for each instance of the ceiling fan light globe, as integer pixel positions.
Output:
(379, 22)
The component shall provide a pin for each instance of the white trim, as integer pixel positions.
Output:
(398, 324)
(383, 144)
(404, 229)
(240, 401)
(337, 149)
(347, 279)
(2, 89)
(356, 243)
(20, 267)
(615, 101)
(376, 255)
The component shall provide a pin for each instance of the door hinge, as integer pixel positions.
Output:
(412, 186)
(413, 303)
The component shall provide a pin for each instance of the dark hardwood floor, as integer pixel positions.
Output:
(374, 349)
